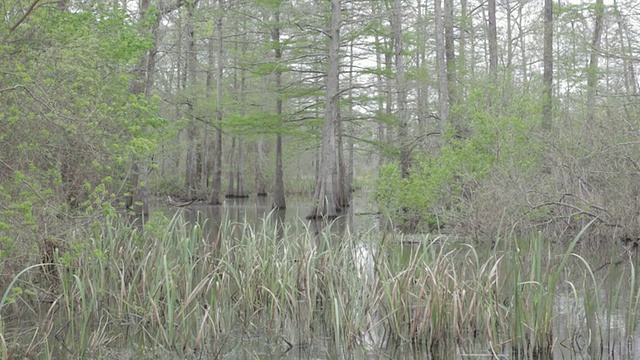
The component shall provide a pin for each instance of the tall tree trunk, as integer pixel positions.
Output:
(241, 190)
(190, 174)
(472, 45)
(403, 121)
(381, 107)
(341, 189)
(626, 52)
(450, 53)
(179, 83)
(592, 72)
(279, 201)
(388, 107)
(208, 146)
(547, 76)
(461, 63)
(443, 90)
(607, 64)
(342, 196)
(200, 144)
(203, 151)
(350, 171)
(631, 68)
(318, 161)
(217, 165)
(522, 34)
(485, 42)
(556, 88)
(623, 51)
(510, 39)
(324, 199)
(231, 183)
(261, 189)
(352, 166)
(261, 184)
(422, 87)
(493, 41)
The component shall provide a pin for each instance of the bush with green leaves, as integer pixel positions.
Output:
(71, 125)
(439, 184)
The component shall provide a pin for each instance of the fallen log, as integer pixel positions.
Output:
(175, 203)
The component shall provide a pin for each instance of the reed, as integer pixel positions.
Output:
(300, 185)
(170, 286)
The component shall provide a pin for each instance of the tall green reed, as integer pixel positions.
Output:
(172, 286)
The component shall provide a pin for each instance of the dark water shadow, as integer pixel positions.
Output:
(258, 211)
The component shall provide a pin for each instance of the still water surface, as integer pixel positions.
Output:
(253, 210)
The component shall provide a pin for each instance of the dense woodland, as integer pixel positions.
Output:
(470, 117)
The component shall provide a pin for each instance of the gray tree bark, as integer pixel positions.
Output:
(341, 191)
(388, 70)
(443, 90)
(241, 190)
(231, 181)
(422, 86)
(493, 41)
(472, 47)
(261, 189)
(626, 52)
(279, 201)
(450, 53)
(547, 59)
(208, 146)
(462, 43)
(510, 39)
(403, 121)
(324, 199)
(190, 173)
(216, 185)
(522, 34)
(381, 92)
(592, 72)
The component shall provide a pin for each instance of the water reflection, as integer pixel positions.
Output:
(254, 211)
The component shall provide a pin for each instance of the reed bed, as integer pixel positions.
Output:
(173, 287)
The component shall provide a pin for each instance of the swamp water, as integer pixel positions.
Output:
(247, 282)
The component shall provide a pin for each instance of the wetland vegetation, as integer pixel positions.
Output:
(289, 291)
(343, 179)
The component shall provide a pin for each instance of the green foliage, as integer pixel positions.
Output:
(268, 3)
(491, 139)
(268, 68)
(73, 125)
(262, 122)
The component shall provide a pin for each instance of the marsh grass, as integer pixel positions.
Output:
(300, 185)
(170, 286)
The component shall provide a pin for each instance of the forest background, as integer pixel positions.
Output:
(470, 117)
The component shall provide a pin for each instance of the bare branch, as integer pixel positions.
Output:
(22, 19)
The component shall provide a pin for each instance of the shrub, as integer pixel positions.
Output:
(440, 185)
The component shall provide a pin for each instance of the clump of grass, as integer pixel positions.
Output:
(171, 286)
(300, 185)
(442, 293)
